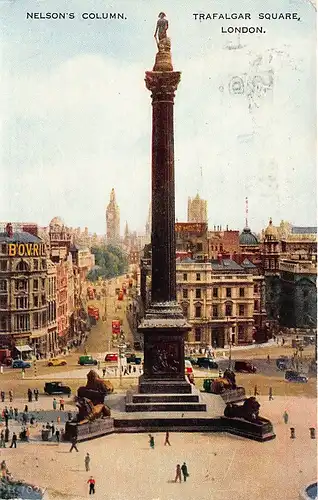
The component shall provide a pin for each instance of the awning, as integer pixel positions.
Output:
(23, 348)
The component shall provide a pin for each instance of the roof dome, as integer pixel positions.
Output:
(270, 231)
(57, 221)
(248, 238)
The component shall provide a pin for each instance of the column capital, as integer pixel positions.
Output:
(162, 84)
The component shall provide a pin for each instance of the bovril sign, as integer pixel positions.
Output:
(26, 249)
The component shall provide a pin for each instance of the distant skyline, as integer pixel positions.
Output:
(76, 116)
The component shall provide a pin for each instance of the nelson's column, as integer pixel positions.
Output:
(164, 325)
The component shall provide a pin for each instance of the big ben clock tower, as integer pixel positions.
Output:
(112, 220)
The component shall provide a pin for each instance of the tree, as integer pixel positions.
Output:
(110, 262)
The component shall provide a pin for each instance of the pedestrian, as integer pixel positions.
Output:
(87, 462)
(134, 369)
(11, 412)
(74, 443)
(151, 441)
(11, 395)
(167, 439)
(23, 373)
(26, 408)
(2, 440)
(178, 474)
(27, 434)
(62, 404)
(184, 470)
(91, 483)
(57, 435)
(255, 391)
(3, 395)
(52, 428)
(14, 441)
(36, 394)
(268, 359)
(104, 372)
(4, 469)
(54, 404)
(285, 417)
(30, 395)
(6, 416)
(16, 413)
(98, 365)
(270, 394)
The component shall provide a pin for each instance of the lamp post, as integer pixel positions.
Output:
(121, 350)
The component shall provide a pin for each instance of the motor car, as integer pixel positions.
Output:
(193, 361)
(111, 356)
(294, 376)
(207, 363)
(56, 362)
(244, 366)
(56, 388)
(132, 358)
(188, 367)
(87, 360)
(282, 363)
(19, 363)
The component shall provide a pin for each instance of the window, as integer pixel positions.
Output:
(22, 266)
(3, 301)
(3, 324)
(43, 299)
(198, 293)
(35, 284)
(197, 334)
(228, 310)
(241, 332)
(198, 277)
(198, 311)
(185, 293)
(35, 264)
(185, 310)
(21, 302)
(35, 320)
(22, 285)
(3, 285)
(241, 309)
(22, 322)
(185, 277)
(215, 311)
(3, 265)
(199, 247)
(43, 282)
(256, 305)
(35, 301)
(43, 318)
(242, 292)
(229, 292)
(215, 292)
(255, 288)
(43, 263)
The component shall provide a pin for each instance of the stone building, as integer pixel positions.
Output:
(23, 292)
(51, 294)
(112, 221)
(197, 209)
(220, 300)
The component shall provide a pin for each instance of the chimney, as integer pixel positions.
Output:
(227, 227)
(220, 228)
(214, 227)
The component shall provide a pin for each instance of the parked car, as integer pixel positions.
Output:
(57, 388)
(111, 356)
(282, 363)
(207, 363)
(19, 363)
(188, 367)
(193, 361)
(244, 366)
(132, 358)
(294, 376)
(87, 360)
(56, 362)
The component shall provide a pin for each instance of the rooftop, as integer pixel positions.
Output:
(19, 237)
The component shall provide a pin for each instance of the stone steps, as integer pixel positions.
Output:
(163, 398)
(165, 406)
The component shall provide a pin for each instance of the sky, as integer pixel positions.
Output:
(76, 115)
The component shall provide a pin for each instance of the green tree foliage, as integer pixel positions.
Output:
(110, 262)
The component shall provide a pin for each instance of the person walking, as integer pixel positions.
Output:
(184, 470)
(36, 394)
(151, 441)
(11, 412)
(2, 440)
(167, 439)
(14, 441)
(6, 416)
(178, 474)
(16, 413)
(255, 391)
(4, 469)
(87, 462)
(11, 395)
(27, 434)
(285, 417)
(3, 395)
(91, 483)
(104, 372)
(270, 394)
(30, 395)
(74, 443)
(62, 402)
(268, 359)
(54, 404)
(57, 435)
(52, 428)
